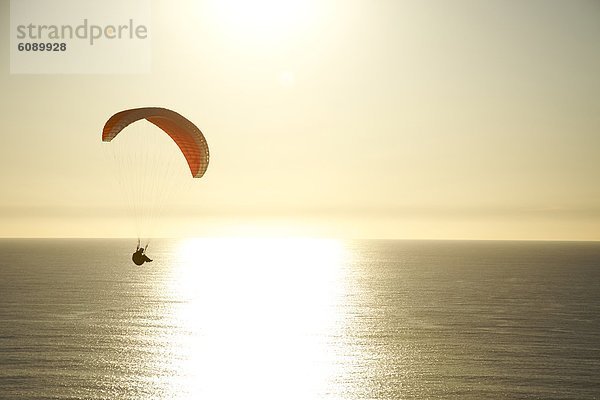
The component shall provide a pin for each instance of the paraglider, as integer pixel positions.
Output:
(188, 138)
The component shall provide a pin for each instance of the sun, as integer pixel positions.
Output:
(262, 21)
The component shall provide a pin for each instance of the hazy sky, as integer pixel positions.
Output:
(372, 118)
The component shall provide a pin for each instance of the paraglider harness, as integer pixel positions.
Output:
(139, 257)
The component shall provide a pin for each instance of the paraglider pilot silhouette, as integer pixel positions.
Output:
(139, 257)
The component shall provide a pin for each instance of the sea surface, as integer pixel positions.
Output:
(299, 319)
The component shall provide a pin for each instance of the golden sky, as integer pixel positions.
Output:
(355, 118)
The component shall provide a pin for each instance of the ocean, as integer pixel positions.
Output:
(244, 318)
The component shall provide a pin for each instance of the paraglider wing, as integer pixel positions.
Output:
(186, 135)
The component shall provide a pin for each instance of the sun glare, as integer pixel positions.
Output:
(287, 79)
(263, 310)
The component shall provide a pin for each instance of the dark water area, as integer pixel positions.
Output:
(299, 318)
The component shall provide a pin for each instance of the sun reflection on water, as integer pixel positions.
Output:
(255, 317)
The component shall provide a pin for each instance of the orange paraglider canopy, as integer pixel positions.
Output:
(186, 135)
